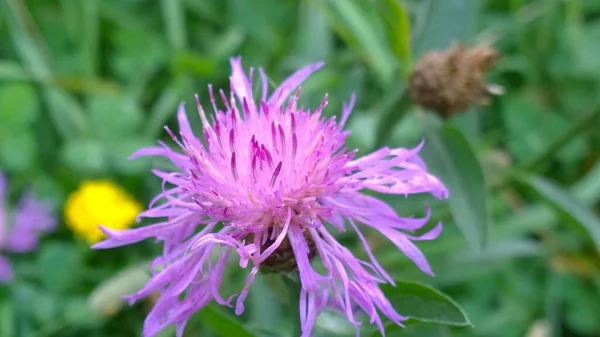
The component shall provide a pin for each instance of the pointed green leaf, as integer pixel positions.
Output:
(563, 201)
(223, 324)
(85, 156)
(444, 22)
(359, 23)
(424, 304)
(19, 106)
(398, 27)
(418, 330)
(450, 156)
(17, 152)
(59, 266)
(114, 117)
(65, 112)
(118, 153)
(165, 106)
(107, 298)
(174, 18)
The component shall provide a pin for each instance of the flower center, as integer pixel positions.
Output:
(283, 259)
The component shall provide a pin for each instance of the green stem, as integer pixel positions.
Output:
(393, 109)
(293, 285)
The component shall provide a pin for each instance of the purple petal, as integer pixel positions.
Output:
(307, 274)
(3, 215)
(291, 83)
(32, 218)
(408, 248)
(239, 81)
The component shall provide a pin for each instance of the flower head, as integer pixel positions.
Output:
(99, 202)
(269, 184)
(19, 230)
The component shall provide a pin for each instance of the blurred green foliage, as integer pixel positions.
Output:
(83, 84)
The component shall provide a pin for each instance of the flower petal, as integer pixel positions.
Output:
(291, 83)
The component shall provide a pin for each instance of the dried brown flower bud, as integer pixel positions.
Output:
(451, 80)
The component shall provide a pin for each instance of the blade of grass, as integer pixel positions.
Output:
(565, 203)
(398, 27)
(165, 106)
(359, 24)
(90, 40)
(173, 15)
(24, 44)
(67, 115)
(71, 17)
(12, 71)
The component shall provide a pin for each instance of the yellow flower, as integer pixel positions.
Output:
(99, 202)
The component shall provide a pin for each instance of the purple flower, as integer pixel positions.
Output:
(31, 218)
(269, 184)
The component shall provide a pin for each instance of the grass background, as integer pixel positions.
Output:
(85, 83)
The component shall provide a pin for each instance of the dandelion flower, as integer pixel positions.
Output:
(270, 184)
(99, 202)
(19, 230)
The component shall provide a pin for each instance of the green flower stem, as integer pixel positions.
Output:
(293, 286)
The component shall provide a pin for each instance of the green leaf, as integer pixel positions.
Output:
(222, 324)
(529, 124)
(362, 132)
(451, 157)
(422, 303)
(585, 62)
(59, 266)
(580, 306)
(266, 36)
(114, 117)
(19, 106)
(107, 298)
(17, 152)
(138, 56)
(22, 300)
(398, 27)
(118, 154)
(187, 62)
(7, 318)
(563, 201)
(227, 43)
(90, 38)
(67, 116)
(165, 106)
(266, 312)
(79, 313)
(174, 18)
(26, 46)
(539, 216)
(444, 22)
(47, 305)
(418, 330)
(66, 113)
(361, 26)
(13, 71)
(315, 38)
(48, 188)
(85, 156)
